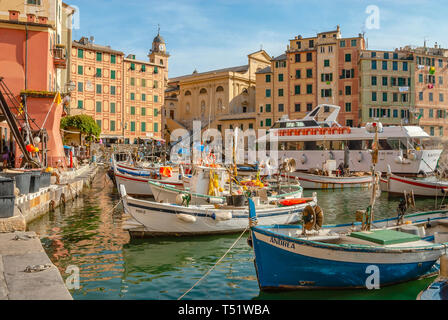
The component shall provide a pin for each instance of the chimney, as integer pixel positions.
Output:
(43, 20)
(92, 39)
(31, 17)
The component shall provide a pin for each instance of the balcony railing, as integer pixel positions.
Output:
(59, 57)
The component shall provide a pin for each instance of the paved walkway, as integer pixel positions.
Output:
(21, 251)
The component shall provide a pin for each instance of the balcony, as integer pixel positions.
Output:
(59, 57)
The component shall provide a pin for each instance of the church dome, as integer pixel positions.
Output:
(158, 39)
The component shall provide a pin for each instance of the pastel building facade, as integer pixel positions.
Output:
(124, 95)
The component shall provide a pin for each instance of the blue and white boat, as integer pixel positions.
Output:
(344, 256)
(438, 290)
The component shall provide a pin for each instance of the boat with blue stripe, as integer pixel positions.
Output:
(346, 256)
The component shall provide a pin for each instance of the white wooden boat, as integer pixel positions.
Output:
(148, 218)
(136, 182)
(421, 187)
(314, 181)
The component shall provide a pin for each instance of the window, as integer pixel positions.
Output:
(440, 80)
(385, 81)
(342, 43)
(280, 77)
(268, 78)
(440, 63)
(420, 96)
(395, 113)
(156, 84)
(98, 88)
(311, 43)
(132, 96)
(99, 56)
(143, 111)
(251, 125)
(309, 107)
(431, 131)
(80, 70)
(297, 57)
(326, 77)
(268, 108)
(113, 59)
(386, 55)
(431, 113)
(143, 97)
(132, 111)
(156, 98)
(156, 71)
(112, 90)
(441, 131)
(384, 65)
(394, 65)
(297, 89)
(98, 122)
(156, 127)
(309, 73)
(281, 107)
(348, 107)
(268, 93)
(80, 87)
(374, 81)
(384, 96)
(431, 97)
(326, 63)
(395, 55)
(373, 96)
(404, 97)
(112, 74)
(395, 97)
(373, 64)
(156, 112)
(261, 123)
(219, 127)
(132, 67)
(112, 107)
(373, 54)
(143, 126)
(98, 73)
(143, 69)
(441, 97)
(297, 107)
(348, 90)
(298, 74)
(132, 126)
(326, 93)
(420, 78)
(348, 57)
(309, 89)
(112, 125)
(143, 83)
(268, 122)
(353, 43)
(309, 56)
(405, 66)
(349, 123)
(98, 107)
(80, 104)
(132, 81)
(80, 53)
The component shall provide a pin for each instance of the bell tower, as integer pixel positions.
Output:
(158, 54)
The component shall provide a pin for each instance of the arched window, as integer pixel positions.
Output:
(203, 91)
(220, 89)
(202, 106)
(188, 93)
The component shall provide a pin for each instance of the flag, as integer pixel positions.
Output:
(58, 99)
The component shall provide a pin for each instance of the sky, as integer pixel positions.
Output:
(213, 34)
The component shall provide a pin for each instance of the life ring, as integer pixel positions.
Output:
(309, 218)
(319, 217)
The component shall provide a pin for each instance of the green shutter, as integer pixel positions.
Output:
(112, 107)
(143, 111)
(80, 53)
(112, 74)
(80, 70)
(80, 104)
(132, 126)
(156, 127)
(113, 60)
(99, 56)
(98, 72)
(112, 125)
(98, 122)
(98, 107)
(156, 112)
(156, 70)
(143, 125)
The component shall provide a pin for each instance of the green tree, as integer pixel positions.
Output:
(84, 123)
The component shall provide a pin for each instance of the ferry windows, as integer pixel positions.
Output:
(310, 145)
(384, 145)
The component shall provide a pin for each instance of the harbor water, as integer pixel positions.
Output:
(87, 234)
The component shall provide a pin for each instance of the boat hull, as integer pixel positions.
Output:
(312, 181)
(397, 185)
(283, 264)
(150, 219)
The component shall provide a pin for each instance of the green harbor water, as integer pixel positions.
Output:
(87, 233)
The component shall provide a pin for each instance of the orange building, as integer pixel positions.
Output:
(124, 95)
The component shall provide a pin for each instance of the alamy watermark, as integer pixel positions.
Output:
(73, 280)
(373, 20)
(373, 280)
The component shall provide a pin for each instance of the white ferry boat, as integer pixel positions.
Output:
(317, 138)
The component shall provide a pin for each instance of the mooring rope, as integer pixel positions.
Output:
(213, 267)
(114, 207)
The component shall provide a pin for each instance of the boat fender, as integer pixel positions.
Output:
(399, 160)
(186, 218)
(222, 216)
(304, 159)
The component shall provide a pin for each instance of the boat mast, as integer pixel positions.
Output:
(374, 179)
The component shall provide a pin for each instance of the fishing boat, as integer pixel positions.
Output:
(319, 137)
(351, 256)
(315, 181)
(438, 290)
(344, 256)
(136, 181)
(148, 218)
(428, 187)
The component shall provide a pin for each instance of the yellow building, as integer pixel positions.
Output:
(223, 99)
(124, 95)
